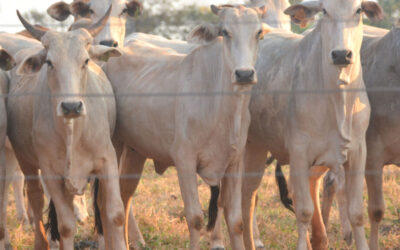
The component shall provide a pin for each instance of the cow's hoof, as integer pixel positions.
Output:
(8, 246)
(258, 244)
(218, 248)
(348, 238)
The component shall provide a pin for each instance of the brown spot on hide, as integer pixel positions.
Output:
(119, 219)
(65, 231)
(2, 233)
(238, 229)
(197, 222)
(378, 215)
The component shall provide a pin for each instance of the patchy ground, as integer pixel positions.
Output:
(159, 211)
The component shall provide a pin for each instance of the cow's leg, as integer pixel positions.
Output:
(217, 239)
(186, 167)
(255, 158)
(63, 202)
(131, 164)
(376, 203)
(342, 205)
(34, 193)
(3, 198)
(256, 233)
(319, 236)
(112, 208)
(299, 177)
(328, 194)
(354, 171)
(231, 197)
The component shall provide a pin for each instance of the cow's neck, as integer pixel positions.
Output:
(338, 81)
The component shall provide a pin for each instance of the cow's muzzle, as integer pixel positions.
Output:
(72, 109)
(109, 43)
(342, 57)
(245, 76)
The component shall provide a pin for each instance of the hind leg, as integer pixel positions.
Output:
(256, 233)
(132, 164)
(255, 158)
(217, 239)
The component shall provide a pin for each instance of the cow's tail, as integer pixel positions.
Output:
(213, 207)
(52, 222)
(98, 225)
(283, 188)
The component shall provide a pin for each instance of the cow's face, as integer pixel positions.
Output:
(240, 29)
(91, 11)
(66, 58)
(340, 26)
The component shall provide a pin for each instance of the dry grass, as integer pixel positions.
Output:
(159, 211)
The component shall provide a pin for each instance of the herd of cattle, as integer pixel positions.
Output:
(93, 103)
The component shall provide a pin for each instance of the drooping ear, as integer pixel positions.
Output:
(304, 12)
(372, 10)
(59, 11)
(32, 64)
(262, 11)
(103, 53)
(6, 60)
(203, 34)
(80, 9)
(133, 8)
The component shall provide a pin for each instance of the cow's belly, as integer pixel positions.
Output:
(147, 126)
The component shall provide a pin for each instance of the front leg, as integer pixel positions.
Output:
(354, 174)
(304, 209)
(111, 206)
(186, 167)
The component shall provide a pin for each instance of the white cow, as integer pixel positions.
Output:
(275, 16)
(203, 134)
(67, 135)
(312, 129)
(87, 12)
(6, 63)
(380, 55)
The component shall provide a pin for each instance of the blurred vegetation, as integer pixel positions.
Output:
(172, 19)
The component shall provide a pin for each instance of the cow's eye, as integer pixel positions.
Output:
(225, 33)
(324, 12)
(49, 63)
(359, 10)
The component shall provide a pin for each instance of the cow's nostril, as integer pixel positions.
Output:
(334, 55)
(349, 55)
(74, 108)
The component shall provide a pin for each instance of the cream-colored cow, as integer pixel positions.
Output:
(202, 134)
(380, 58)
(62, 132)
(310, 129)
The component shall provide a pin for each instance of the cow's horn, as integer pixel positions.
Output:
(95, 28)
(36, 33)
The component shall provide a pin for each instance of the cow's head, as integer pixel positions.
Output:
(113, 33)
(240, 29)
(341, 25)
(6, 60)
(66, 57)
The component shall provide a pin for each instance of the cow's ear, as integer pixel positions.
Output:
(372, 10)
(203, 34)
(103, 53)
(59, 11)
(304, 12)
(262, 11)
(6, 60)
(80, 8)
(265, 29)
(133, 8)
(32, 64)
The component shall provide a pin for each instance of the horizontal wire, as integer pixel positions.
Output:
(154, 176)
(211, 93)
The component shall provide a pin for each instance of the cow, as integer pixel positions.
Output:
(62, 131)
(380, 55)
(6, 63)
(87, 12)
(203, 134)
(313, 123)
(275, 16)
